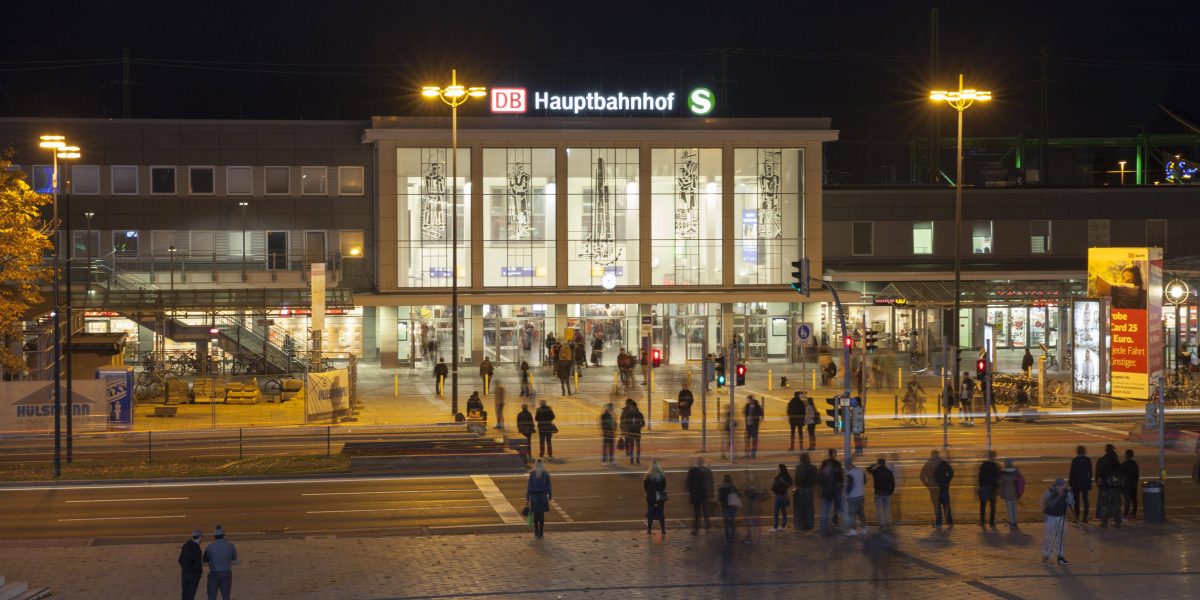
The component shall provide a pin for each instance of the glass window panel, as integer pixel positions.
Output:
(981, 237)
(519, 217)
(768, 204)
(923, 237)
(162, 180)
(277, 180)
(998, 317)
(125, 243)
(239, 180)
(425, 216)
(602, 215)
(1017, 326)
(351, 243)
(1039, 237)
(125, 179)
(85, 179)
(350, 181)
(312, 180)
(200, 180)
(43, 179)
(685, 223)
(1037, 327)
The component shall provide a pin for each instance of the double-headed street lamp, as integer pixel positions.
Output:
(1177, 293)
(959, 100)
(454, 95)
(58, 147)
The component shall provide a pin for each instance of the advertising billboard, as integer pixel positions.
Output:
(118, 386)
(327, 394)
(29, 405)
(1089, 361)
(1131, 280)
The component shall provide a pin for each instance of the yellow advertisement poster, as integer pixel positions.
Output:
(1131, 278)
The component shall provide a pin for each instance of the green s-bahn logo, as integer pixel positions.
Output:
(701, 101)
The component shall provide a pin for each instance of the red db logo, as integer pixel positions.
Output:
(508, 100)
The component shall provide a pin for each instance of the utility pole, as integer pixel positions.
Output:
(1043, 109)
(723, 102)
(934, 77)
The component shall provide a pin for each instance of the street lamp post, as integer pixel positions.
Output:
(453, 95)
(243, 206)
(959, 100)
(171, 262)
(69, 153)
(88, 215)
(1178, 292)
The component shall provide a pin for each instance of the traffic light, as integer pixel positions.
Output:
(849, 342)
(981, 368)
(721, 379)
(872, 338)
(800, 276)
(741, 374)
(656, 357)
(858, 418)
(835, 414)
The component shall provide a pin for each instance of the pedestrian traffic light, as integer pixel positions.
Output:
(800, 276)
(835, 414)
(656, 357)
(849, 342)
(741, 374)
(721, 379)
(981, 368)
(872, 338)
(858, 418)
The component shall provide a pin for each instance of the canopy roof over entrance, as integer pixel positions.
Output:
(982, 293)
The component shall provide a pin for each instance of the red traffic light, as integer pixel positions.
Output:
(656, 357)
(981, 366)
(741, 369)
(849, 341)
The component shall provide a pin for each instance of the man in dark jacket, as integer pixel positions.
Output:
(795, 415)
(546, 428)
(1027, 363)
(832, 479)
(440, 371)
(608, 433)
(191, 565)
(700, 490)
(1080, 480)
(802, 498)
(1129, 482)
(936, 476)
(631, 425)
(885, 486)
(685, 406)
(526, 428)
(753, 414)
(1108, 478)
(989, 486)
(486, 370)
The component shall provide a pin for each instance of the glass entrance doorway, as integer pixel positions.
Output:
(512, 334)
(430, 334)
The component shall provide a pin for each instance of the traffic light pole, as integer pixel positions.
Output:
(987, 392)
(730, 367)
(846, 427)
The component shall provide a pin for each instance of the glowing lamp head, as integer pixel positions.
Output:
(455, 91)
(431, 91)
(938, 95)
(477, 92)
(356, 252)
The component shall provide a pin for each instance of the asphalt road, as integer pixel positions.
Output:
(586, 494)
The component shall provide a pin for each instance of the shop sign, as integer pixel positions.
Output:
(516, 271)
(509, 100)
(890, 302)
(439, 272)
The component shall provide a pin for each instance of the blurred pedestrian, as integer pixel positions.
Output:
(191, 565)
(1130, 475)
(1027, 364)
(831, 479)
(486, 370)
(1012, 487)
(730, 501)
(220, 555)
(753, 488)
(538, 496)
(967, 400)
(608, 434)
(498, 402)
(526, 428)
(988, 486)
(546, 429)
(440, 370)
(936, 476)
(753, 414)
(856, 499)
(699, 485)
(1080, 480)
(795, 416)
(806, 480)
(1055, 502)
(1108, 479)
(562, 370)
(884, 482)
(811, 418)
(684, 403)
(475, 406)
(631, 424)
(655, 486)
(580, 357)
(525, 379)
(781, 485)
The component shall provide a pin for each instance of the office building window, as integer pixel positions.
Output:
(862, 238)
(519, 216)
(350, 181)
(239, 181)
(312, 180)
(602, 216)
(685, 221)
(923, 237)
(425, 190)
(981, 237)
(200, 180)
(277, 180)
(43, 179)
(162, 180)
(1156, 233)
(85, 243)
(85, 180)
(1097, 233)
(350, 242)
(769, 206)
(124, 180)
(125, 243)
(1039, 237)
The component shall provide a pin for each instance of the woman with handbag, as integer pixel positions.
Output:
(730, 501)
(655, 485)
(537, 497)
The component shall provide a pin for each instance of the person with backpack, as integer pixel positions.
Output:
(780, 487)
(1108, 479)
(699, 485)
(1012, 487)
(795, 415)
(631, 424)
(936, 476)
(753, 414)
(1080, 480)
(885, 485)
(730, 501)
(1055, 502)
(988, 484)
(608, 434)
(831, 478)
(802, 499)
(1130, 475)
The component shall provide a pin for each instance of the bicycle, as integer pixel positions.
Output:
(914, 412)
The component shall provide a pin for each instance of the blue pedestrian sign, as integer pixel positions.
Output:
(804, 334)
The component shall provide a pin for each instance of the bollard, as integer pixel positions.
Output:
(651, 383)
(769, 378)
(395, 386)
(899, 378)
(895, 406)
(576, 382)
(487, 384)
(616, 386)
(814, 379)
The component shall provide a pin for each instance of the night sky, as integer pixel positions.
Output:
(865, 64)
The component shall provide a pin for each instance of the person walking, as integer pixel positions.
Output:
(440, 371)
(1027, 364)
(795, 416)
(546, 429)
(631, 424)
(755, 492)
(684, 403)
(191, 565)
(550, 342)
(831, 479)
(1079, 478)
(498, 405)
(220, 556)
(1108, 479)
(1055, 502)
(802, 499)
(967, 398)
(525, 375)
(562, 370)
(597, 347)
(856, 494)
(580, 357)
(884, 482)
(526, 428)
(780, 486)
(608, 434)
(1012, 487)
(988, 486)
(753, 414)
(538, 496)
(655, 486)
(699, 486)
(486, 370)
(730, 501)
(811, 419)
(936, 476)
(1130, 475)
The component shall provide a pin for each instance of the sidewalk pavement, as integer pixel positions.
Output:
(908, 562)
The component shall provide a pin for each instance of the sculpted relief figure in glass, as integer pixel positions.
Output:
(433, 198)
(518, 203)
(770, 209)
(600, 245)
(687, 179)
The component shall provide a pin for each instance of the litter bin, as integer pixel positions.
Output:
(1153, 502)
(671, 410)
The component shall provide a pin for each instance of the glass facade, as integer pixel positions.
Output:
(424, 214)
(685, 188)
(768, 202)
(519, 217)
(602, 215)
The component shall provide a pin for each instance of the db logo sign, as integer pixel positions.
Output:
(508, 100)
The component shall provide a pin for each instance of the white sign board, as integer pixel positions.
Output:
(29, 405)
(327, 394)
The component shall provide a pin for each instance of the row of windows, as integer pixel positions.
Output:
(218, 245)
(863, 236)
(239, 180)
